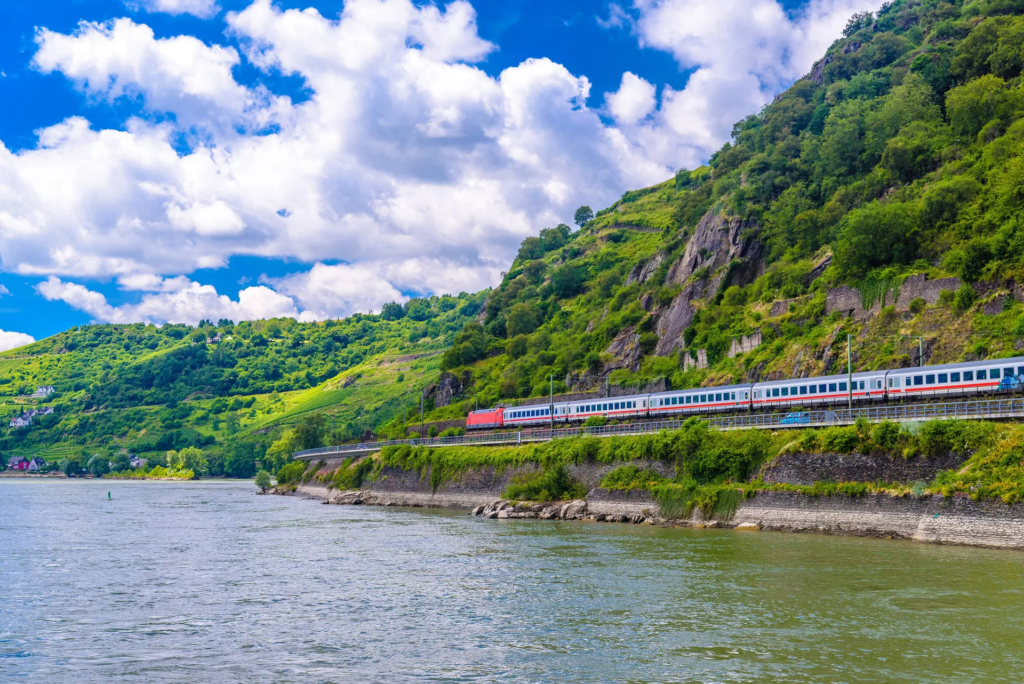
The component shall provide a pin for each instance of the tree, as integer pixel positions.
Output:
(521, 320)
(856, 22)
(877, 235)
(583, 215)
(977, 102)
(233, 424)
(99, 465)
(263, 480)
(392, 311)
(568, 280)
(309, 434)
(241, 460)
(69, 466)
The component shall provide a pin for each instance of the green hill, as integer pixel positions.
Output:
(880, 197)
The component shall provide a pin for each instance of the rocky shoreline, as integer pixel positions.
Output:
(934, 519)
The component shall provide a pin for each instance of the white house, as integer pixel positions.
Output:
(43, 391)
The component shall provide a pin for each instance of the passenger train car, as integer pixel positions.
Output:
(950, 380)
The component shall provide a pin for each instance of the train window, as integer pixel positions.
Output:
(968, 376)
(918, 379)
(688, 398)
(1020, 370)
(775, 391)
(1008, 372)
(929, 379)
(821, 389)
(675, 401)
(954, 377)
(703, 398)
(814, 389)
(842, 387)
(831, 387)
(785, 391)
(943, 378)
(981, 374)
(718, 397)
(734, 396)
(803, 389)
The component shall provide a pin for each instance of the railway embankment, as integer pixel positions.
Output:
(951, 482)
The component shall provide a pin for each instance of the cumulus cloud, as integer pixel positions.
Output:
(741, 53)
(200, 8)
(632, 101)
(13, 340)
(407, 163)
(188, 304)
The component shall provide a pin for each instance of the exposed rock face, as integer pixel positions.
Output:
(848, 301)
(444, 390)
(716, 244)
(818, 71)
(819, 268)
(626, 350)
(643, 271)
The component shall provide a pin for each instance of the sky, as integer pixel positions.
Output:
(179, 160)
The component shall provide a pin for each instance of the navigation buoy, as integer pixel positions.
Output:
(108, 496)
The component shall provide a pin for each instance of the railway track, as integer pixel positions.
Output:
(976, 409)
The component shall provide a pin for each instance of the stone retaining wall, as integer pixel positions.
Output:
(933, 519)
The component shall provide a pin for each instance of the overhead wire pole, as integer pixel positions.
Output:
(920, 348)
(849, 371)
(551, 406)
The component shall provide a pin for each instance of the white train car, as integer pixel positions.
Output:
(955, 379)
(829, 389)
(699, 400)
(526, 416)
(616, 408)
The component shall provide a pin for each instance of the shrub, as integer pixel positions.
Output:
(551, 484)
(595, 421)
(630, 477)
(918, 305)
(453, 432)
(648, 341)
(841, 440)
(965, 298)
(886, 435)
(432, 431)
(263, 480)
(291, 472)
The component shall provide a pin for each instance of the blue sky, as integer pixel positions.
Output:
(172, 160)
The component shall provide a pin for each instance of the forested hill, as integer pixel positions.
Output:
(882, 196)
(894, 170)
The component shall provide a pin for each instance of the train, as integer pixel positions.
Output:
(950, 380)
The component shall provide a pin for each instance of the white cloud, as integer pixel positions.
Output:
(4, 291)
(742, 53)
(632, 101)
(200, 8)
(188, 304)
(413, 167)
(13, 340)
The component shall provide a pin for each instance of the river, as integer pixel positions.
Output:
(205, 581)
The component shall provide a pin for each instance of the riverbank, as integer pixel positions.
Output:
(930, 518)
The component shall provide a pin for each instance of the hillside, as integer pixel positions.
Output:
(225, 388)
(879, 197)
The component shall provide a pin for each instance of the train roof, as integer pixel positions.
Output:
(1013, 360)
(821, 378)
(701, 389)
(490, 410)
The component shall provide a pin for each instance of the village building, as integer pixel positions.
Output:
(43, 391)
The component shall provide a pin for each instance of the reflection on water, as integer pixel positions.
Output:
(207, 582)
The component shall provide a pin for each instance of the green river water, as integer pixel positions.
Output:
(206, 582)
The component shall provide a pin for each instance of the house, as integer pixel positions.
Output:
(137, 462)
(17, 463)
(43, 391)
(25, 419)
(37, 463)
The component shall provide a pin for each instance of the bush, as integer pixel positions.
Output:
(630, 477)
(918, 305)
(291, 472)
(263, 480)
(453, 432)
(551, 484)
(965, 298)
(886, 435)
(841, 440)
(595, 421)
